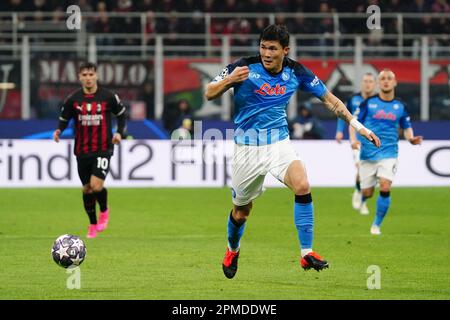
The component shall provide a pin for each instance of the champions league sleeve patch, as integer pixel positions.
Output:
(222, 75)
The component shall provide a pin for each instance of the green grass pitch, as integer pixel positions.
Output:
(169, 244)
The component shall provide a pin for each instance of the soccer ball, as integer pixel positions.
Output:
(68, 250)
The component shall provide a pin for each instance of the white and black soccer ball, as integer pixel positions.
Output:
(68, 250)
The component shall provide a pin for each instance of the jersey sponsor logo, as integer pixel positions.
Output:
(90, 119)
(285, 76)
(373, 105)
(381, 114)
(254, 75)
(267, 89)
(315, 82)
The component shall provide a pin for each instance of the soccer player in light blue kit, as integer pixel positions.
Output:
(383, 114)
(262, 87)
(368, 85)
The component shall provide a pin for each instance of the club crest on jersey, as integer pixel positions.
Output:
(267, 89)
(395, 106)
(285, 76)
(88, 107)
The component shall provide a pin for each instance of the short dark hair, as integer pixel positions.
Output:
(276, 32)
(87, 65)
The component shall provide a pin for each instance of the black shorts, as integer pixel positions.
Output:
(93, 166)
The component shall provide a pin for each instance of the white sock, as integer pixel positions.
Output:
(234, 250)
(304, 252)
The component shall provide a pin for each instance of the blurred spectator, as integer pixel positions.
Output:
(188, 5)
(177, 119)
(395, 6)
(229, 6)
(150, 28)
(126, 24)
(240, 29)
(306, 125)
(326, 28)
(171, 27)
(146, 5)
(17, 6)
(219, 27)
(148, 96)
(254, 6)
(85, 6)
(419, 6)
(40, 5)
(167, 6)
(58, 15)
(102, 25)
(440, 6)
(208, 6)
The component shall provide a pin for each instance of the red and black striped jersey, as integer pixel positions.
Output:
(92, 117)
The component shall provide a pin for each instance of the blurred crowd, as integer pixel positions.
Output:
(241, 28)
(229, 5)
(195, 23)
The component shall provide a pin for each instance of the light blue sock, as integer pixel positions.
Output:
(304, 220)
(235, 232)
(383, 203)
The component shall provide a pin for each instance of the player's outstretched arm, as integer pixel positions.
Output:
(216, 88)
(409, 135)
(356, 145)
(336, 106)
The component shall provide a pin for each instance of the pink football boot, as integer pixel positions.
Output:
(92, 231)
(103, 220)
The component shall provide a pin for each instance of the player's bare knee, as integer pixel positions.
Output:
(301, 187)
(87, 188)
(97, 187)
(241, 213)
(385, 187)
(367, 193)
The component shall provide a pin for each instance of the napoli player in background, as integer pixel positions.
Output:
(91, 107)
(383, 114)
(368, 85)
(262, 87)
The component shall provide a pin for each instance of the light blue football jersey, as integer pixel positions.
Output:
(260, 101)
(352, 104)
(383, 118)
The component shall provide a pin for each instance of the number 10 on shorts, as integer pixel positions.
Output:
(102, 163)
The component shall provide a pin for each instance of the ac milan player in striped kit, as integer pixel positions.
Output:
(91, 107)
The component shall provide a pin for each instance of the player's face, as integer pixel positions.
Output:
(387, 81)
(88, 78)
(368, 84)
(272, 55)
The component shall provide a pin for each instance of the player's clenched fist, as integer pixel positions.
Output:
(116, 138)
(56, 135)
(239, 74)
